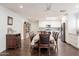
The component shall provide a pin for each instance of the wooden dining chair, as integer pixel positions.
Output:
(44, 42)
(55, 36)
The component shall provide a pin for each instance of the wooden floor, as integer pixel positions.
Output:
(63, 50)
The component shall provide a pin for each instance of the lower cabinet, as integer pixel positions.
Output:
(13, 41)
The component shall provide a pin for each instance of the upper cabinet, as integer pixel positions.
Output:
(72, 25)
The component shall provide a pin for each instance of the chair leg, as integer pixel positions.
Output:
(49, 51)
(39, 51)
(57, 48)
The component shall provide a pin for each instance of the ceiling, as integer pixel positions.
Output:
(41, 10)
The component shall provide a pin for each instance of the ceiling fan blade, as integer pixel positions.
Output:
(49, 7)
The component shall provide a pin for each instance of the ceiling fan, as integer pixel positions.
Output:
(48, 7)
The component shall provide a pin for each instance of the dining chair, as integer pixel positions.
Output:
(44, 42)
(49, 33)
(31, 34)
(55, 36)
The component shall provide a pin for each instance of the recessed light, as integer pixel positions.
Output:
(21, 6)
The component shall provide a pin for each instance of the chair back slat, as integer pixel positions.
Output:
(55, 35)
(44, 38)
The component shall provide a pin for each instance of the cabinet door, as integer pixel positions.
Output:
(11, 41)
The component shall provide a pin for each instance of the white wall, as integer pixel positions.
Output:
(17, 25)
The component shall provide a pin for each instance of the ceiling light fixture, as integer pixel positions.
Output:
(21, 6)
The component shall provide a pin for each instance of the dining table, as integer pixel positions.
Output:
(36, 38)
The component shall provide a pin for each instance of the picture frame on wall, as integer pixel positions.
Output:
(10, 20)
